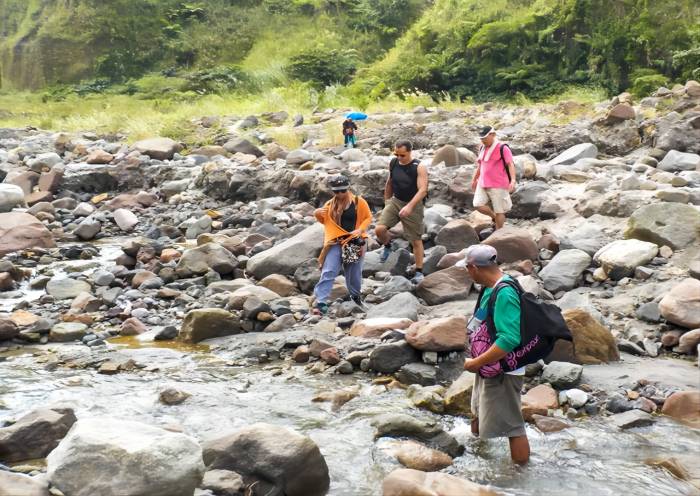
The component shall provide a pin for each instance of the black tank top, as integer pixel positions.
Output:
(349, 218)
(404, 179)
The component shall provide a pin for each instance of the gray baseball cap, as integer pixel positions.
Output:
(481, 256)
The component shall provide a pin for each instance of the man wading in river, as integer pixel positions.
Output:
(404, 192)
(496, 394)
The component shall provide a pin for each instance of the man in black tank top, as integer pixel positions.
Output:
(404, 192)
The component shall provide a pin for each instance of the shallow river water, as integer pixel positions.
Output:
(592, 458)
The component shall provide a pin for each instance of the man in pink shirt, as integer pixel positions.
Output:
(494, 178)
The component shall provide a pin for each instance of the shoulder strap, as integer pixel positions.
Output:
(505, 166)
(392, 164)
(491, 325)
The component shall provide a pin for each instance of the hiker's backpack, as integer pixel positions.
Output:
(541, 325)
(505, 166)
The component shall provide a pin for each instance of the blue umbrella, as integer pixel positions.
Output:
(356, 116)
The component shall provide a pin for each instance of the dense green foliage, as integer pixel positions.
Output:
(455, 48)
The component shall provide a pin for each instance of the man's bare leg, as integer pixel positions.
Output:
(382, 234)
(418, 253)
(486, 210)
(500, 220)
(519, 449)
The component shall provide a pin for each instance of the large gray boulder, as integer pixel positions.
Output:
(11, 196)
(672, 224)
(279, 460)
(564, 271)
(676, 161)
(445, 285)
(588, 237)
(35, 434)
(116, 457)
(209, 256)
(576, 152)
(284, 258)
(158, 148)
(390, 357)
(619, 258)
(401, 306)
(457, 235)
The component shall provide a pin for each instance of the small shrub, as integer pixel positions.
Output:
(646, 85)
(323, 67)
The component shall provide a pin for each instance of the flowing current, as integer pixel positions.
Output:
(593, 457)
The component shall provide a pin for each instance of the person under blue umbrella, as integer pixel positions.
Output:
(349, 128)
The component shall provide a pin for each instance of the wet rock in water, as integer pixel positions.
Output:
(64, 332)
(401, 306)
(11, 196)
(681, 306)
(428, 398)
(206, 323)
(418, 373)
(539, 400)
(458, 396)
(631, 419)
(35, 434)
(284, 258)
(172, 396)
(167, 333)
(513, 244)
(593, 343)
(409, 482)
(375, 327)
(132, 327)
(337, 398)
(428, 431)
(14, 484)
(446, 285)
(564, 271)
(281, 461)
(8, 329)
(444, 334)
(562, 374)
(457, 235)
(672, 224)
(620, 258)
(223, 483)
(684, 406)
(549, 424)
(105, 456)
(125, 219)
(417, 456)
(19, 231)
(390, 357)
(158, 148)
(209, 256)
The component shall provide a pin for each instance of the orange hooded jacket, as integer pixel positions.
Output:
(333, 231)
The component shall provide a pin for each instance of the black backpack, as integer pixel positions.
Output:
(541, 325)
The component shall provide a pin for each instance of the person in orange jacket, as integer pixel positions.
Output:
(346, 218)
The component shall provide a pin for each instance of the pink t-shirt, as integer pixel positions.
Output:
(493, 172)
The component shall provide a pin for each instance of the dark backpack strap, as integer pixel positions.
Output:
(505, 166)
(490, 323)
(392, 164)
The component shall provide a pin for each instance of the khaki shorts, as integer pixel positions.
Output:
(499, 198)
(496, 402)
(412, 225)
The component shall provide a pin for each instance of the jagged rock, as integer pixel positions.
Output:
(445, 285)
(564, 271)
(562, 374)
(632, 418)
(209, 256)
(280, 460)
(444, 334)
(35, 434)
(390, 357)
(577, 152)
(401, 306)
(284, 258)
(458, 396)
(457, 235)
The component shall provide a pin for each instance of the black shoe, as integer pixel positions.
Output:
(358, 301)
